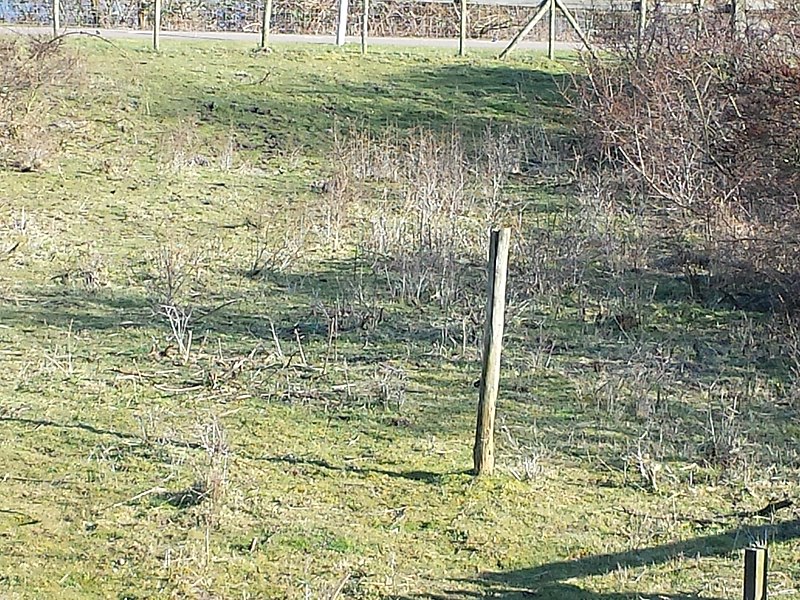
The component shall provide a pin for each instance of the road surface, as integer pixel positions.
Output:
(282, 38)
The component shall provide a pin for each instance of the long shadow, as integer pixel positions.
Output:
(428, 477)
(123, 435)
(547, 581)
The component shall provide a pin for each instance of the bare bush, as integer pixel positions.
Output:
(29, 69)
(176, 269)
(431, 198)
(694, 130)
(276, 247)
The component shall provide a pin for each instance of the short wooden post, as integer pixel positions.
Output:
(266, 19)
(551, 35)
(642, 19)
(546, 4)
(56, 17)
(483, 452)
(739, 15)
(341, 26)
(156, 25)
(365, 27)
(755, 573)
(462, 30)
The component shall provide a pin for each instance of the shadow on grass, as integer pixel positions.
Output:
(419, 476)
(547, 581)
(413, 335)
(435, 94)
(36, 423)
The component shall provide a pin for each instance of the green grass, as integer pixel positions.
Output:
(329, 479)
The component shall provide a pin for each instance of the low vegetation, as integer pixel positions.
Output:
(241, 314)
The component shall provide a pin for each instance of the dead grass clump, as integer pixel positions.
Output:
(30, 69)
(275, 246)
(177, 270)
(187, 147)
(430, 198)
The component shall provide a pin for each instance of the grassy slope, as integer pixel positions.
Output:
(320, 484)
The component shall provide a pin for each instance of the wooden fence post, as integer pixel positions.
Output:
(739, 15)
(156, 25)
(642, 19)
(755, 573)
(266, 18)
(56, 17)
(528, 27)
(365, 27)
(462, 31)
(341, 26)
(483, 452)
(551, 36)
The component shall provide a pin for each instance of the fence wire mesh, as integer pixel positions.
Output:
(392, 18)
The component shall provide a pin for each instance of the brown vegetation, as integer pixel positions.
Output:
(694, 129)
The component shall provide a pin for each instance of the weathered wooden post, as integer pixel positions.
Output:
(156, 25)
(266, 19)
(642, 19)
(56, 17)
(483, 452)
(365, 27)
(739, 15)
(551, 36)
(755, 573)
(341, 27)
(462, 31)
(543, 7)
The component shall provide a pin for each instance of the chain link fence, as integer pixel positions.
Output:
(391, 18)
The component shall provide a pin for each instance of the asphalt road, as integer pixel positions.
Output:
(281, 38)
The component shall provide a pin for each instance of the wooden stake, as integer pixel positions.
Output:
(739, 15)
(483, 452)
(462, 32)
(156, 25)
(551, 36)
(266, 19)
(755, 573)
(642, 19)
(341, 27)
(574, 24)
(365, 27)
(528, 27)
(56, 17)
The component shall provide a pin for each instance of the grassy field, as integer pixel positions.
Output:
(240, 318)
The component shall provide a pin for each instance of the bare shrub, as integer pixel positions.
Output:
(176, 270)
(30, 69)
(431, 198)
(695, 132)
(276, 246)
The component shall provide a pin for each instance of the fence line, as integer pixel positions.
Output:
(424, 18)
